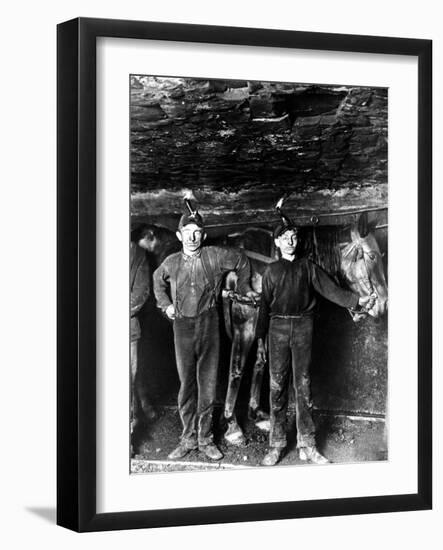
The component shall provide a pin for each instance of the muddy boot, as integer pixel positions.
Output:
(272, 456)
(211, 451)
(312, 454)
(180, 452)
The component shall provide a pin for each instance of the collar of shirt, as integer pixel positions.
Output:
(188, 258)
(290, 262)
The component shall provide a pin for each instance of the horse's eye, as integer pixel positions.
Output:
(371, 256)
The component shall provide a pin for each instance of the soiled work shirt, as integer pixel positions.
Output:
(193, 284)
(288, 289)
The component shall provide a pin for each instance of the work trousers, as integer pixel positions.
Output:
(134, 364)
(290, 341)
(197, 344)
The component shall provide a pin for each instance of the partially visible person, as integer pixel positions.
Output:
(140, 285)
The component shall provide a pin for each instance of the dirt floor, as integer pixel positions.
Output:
(340, 438)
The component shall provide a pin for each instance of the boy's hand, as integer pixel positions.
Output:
(367, 302)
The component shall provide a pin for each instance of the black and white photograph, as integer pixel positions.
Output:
(221, 275)
(258, 274)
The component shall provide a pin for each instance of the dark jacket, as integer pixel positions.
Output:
(288, 289)
(140, 284)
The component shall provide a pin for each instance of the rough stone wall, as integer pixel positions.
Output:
(242, 144)
(349, 363)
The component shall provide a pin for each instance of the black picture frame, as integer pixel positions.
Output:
(76, 280)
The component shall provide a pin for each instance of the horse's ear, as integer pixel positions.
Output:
(362, 226)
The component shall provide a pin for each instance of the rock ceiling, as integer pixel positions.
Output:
(239, 146)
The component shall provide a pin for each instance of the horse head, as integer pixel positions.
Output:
(158, 241)
(362, 267)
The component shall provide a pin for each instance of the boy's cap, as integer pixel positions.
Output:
(282, 227)
(188, 218)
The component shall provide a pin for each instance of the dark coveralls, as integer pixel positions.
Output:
(193, 284)
(286, 309)
(140, 284)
